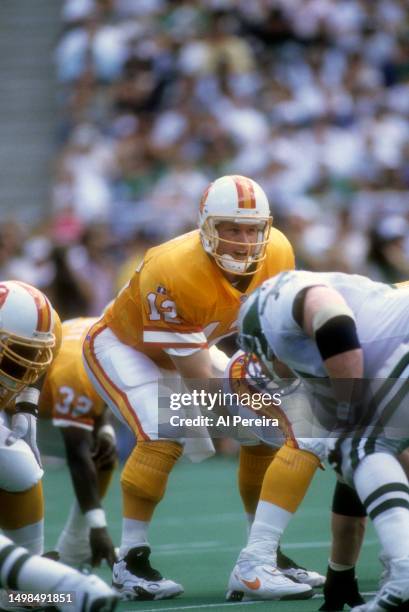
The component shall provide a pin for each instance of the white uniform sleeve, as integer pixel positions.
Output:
(277, 297)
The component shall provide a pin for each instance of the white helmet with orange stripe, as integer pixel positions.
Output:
(26, 336)
(240, 200)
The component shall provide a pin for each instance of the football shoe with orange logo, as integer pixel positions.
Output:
(255, 580)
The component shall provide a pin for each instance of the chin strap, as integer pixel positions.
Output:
(233, 265)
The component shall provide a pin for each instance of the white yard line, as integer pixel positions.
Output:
(213, 545)
(228, 517)
(221, 604)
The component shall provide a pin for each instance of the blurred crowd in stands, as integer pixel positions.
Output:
(158, 97)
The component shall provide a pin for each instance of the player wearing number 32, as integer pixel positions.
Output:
(69, 398)
(182, 300)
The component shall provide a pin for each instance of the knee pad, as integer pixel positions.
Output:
(346, 501)
(19, 470)
(146, 472)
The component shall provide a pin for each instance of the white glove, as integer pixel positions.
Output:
(24, 427)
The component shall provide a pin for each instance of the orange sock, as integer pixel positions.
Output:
(145, 477)
(288, 477)
(253, 463)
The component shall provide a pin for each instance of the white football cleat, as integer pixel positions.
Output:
(133, 578)
(91, 594)
(303, 576)
(394, 594)
(296, 572)
(249, 581)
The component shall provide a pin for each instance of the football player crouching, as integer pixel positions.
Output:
(347, 338)
(30, 335)
(262, 570)
(69, 399)
(183, 298)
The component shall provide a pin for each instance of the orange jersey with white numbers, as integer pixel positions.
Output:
(67, 395)
(179, 300)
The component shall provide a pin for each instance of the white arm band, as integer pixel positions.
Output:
(29, 395)
(107, 430)
(95, 518)
(328, 312)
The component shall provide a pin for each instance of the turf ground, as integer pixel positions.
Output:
(199, 529)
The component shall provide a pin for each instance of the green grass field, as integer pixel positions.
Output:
(199, 529)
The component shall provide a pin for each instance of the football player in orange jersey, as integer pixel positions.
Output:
(182, 299)
(74, 406)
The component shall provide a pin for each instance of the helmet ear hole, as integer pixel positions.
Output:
(18, 369)
(13, 369)
(28, 352)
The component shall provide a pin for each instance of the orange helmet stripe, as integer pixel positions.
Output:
(245, 192)
(204, 198)
(44, 316)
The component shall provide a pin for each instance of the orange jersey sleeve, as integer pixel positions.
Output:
(67, 395)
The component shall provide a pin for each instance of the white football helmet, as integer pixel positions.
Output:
(241, 200)
(26, 336)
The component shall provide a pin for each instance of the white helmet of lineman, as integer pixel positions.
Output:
(241, 200)
(26, 337)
